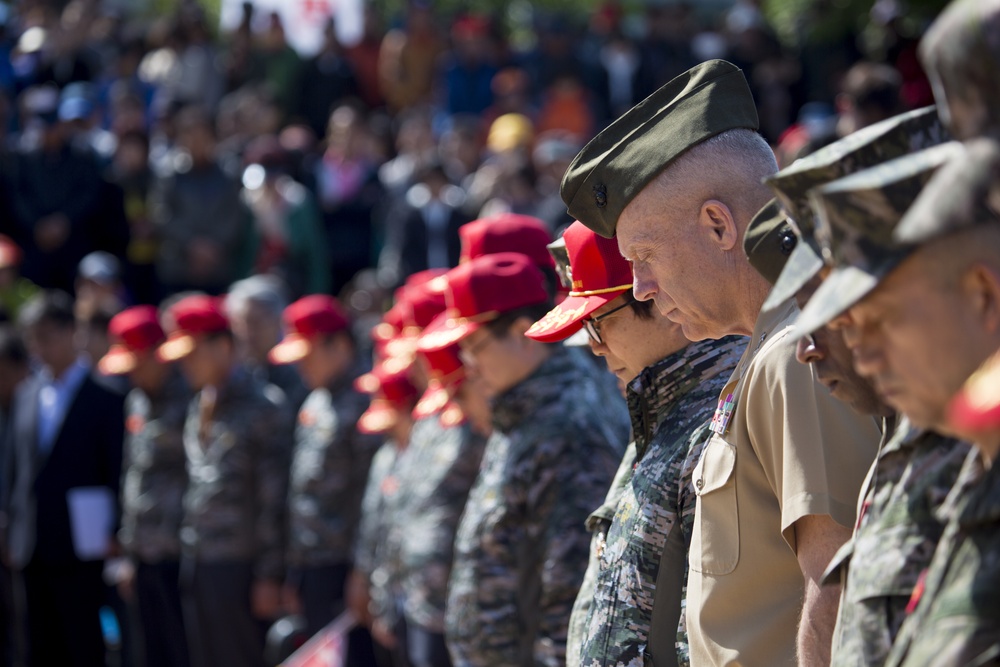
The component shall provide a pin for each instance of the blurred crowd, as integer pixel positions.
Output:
(198, 158)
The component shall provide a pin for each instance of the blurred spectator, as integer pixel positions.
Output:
(130, 173)
(348, 189)
(67, 434)
(363, 57)
(470, 69)
(197, 211)
(78, 110)
(460, 148)
(254, 306)
(327, 79)
(92, 339)
(15, 289)
(287, 237)
(425, 234)
(511, 88)
(566, 106)
(869, 93)
(276, 64)
(552, 155)
(415, 149)
(55, 192)
(666, 50)
(408, 59)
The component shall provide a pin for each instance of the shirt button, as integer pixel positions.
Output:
(700, 483)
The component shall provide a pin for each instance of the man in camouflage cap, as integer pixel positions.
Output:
(897, 530)
(678, 178)
(930, 323)
(961, 55)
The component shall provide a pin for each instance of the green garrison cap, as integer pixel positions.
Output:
(618, 163)
(963, 193)
(769, 240)
(961, 54)
(869, 146)
(856, 216)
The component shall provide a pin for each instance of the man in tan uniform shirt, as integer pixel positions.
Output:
(679, 178)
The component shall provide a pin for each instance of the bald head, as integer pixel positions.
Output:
(684, 235)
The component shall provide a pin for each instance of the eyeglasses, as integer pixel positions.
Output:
(467, 355)
(592, 324)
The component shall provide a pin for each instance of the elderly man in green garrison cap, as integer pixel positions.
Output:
(678, 178)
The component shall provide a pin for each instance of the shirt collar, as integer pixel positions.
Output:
(656, 391)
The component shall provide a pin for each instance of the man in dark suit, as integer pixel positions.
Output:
(64, 463)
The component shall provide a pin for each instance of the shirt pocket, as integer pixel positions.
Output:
(715, 543)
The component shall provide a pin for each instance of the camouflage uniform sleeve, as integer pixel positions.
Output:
(597, 523)
(368, 527)
(274, 435)
(566, 479)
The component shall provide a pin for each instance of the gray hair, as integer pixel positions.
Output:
(263, 290)
(729, 167)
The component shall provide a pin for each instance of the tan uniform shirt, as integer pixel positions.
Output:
(784, 448)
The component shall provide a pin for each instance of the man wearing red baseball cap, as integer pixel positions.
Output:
(510, 232)
(330, 460)
(522, 548)
(237, 437)
(389, 415)
(154, 480)
(644, 524)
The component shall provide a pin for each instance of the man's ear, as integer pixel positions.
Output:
(982, 284)
(518, 329)
(717, 220)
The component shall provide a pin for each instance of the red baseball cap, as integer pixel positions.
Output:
(193, 316)
(393, 394)
(507, 232)
(306, 319)
(446, 375)
(418, 308)
(479, 291)
(976, 407)
(10, 252)
(132, 331)
(392, 322)
(599, 274)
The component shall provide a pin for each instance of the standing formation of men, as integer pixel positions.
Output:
(786, 457)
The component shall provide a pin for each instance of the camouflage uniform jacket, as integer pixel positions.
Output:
(234, 507)
(372, 527)
(155, 473)
(521, 547)
(329, 466)
(956, 620)
(895, 538)
(598, 524)
(442, 463)
(670, 402)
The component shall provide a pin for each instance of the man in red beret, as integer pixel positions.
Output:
(237, 437)
(521, 548)
(330, 461)
(644, 528)
(155, 477)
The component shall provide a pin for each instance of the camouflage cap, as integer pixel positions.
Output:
(965, 192)
(618, 163)
(872, 145)
(561, 257)
(856, 216)
(961, 55)
(769, 240)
